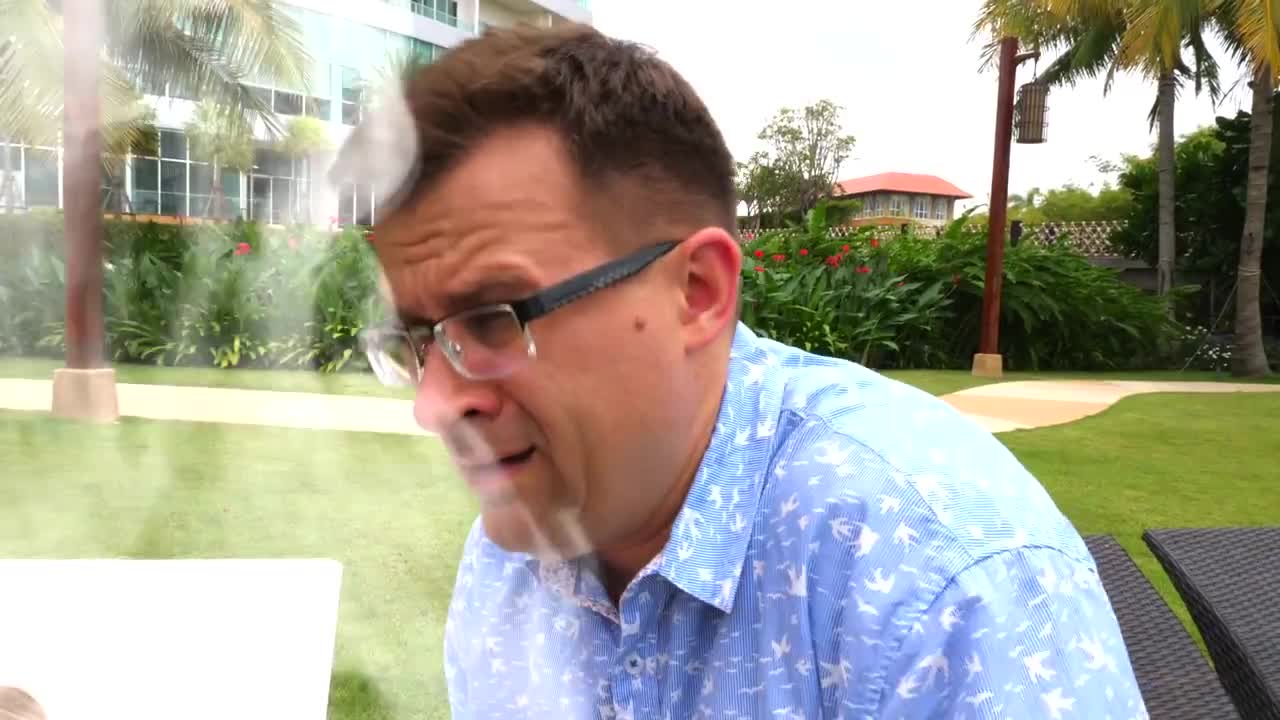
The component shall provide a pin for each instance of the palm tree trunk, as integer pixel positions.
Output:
(82, 142)
(1248, 358)
(1166, 172)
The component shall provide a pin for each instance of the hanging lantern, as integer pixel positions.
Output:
(1029, 118)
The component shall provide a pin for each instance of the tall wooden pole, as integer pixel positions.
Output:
(85, 389)
(988, 362)
(82, 179)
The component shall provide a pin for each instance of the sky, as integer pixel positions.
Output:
(909, 79)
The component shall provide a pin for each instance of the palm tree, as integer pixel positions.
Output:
(87, 64)
(222, 137)
(304, 137)
(1107, 37)
(1248, 27)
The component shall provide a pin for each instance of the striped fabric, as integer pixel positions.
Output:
(851, 548)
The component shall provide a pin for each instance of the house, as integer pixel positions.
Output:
(895, 198)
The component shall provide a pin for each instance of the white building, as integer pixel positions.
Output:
(350, 42)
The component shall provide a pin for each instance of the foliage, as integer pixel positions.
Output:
(228, 295)
(1069, 203)
(203, 50)
(805, 150)
(913, 301)
(1212, 167)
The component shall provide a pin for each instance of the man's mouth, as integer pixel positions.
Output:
(494, 477)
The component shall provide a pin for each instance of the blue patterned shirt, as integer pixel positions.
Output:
(851, 547)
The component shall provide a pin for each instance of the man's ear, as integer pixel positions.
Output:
(712, 273)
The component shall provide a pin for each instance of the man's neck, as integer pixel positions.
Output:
(621, 562)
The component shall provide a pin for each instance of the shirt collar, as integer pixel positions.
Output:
(708, 545)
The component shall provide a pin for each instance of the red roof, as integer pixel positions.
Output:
(900, 182)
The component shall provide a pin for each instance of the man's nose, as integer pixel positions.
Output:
(444, 396)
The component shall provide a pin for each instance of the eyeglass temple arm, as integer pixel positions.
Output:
(578, 287)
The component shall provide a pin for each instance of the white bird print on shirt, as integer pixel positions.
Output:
(1098, 657)
(757, 568)
(935, 664)
(832, 455)
(790, 505)
(715, 498)
(798, 582)
(781, 648)
(1036, 668)
(708, 684)
(907, 687)
(834, 675)
(804, 666)
(804, 522)
(755, 375)
(973, 665)
(904, 535)
(841, 529)
(738, 523)
(742, 437)
(879, 583)
(949, 618)
(685, 551)
(864, 607)
(766, 427)
(1056, 703)
(980, 698)
(866, 540)
(889, 503)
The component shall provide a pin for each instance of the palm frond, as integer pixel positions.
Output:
(1251, 30)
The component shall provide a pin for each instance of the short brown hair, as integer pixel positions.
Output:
(18, 704)
(621, 111)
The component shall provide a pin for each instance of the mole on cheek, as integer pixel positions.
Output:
(640, 324)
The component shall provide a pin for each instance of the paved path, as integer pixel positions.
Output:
(1000, 407)
(241, 407)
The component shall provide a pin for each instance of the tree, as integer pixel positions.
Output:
(764, 189)
(1111, 36)
(303, 137)
(221, 137)
(1250, 30)
(806, 149)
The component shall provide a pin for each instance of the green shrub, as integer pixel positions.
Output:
(230, 295)
(914, 301)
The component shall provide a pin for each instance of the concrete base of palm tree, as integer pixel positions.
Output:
(988, 366)
(85, 394)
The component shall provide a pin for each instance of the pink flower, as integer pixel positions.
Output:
(293, 243)
(243, 249)
(759, 268)
(863, 269)
(804, 251)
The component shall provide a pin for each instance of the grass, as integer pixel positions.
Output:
(938, 382)
(1159, 461)
(388, 507)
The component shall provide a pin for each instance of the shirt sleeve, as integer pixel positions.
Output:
(455, 634)
(1023, 633)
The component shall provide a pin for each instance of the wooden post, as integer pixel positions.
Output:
(988, 362)
(85, 388)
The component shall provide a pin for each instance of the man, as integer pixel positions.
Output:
(679, 518)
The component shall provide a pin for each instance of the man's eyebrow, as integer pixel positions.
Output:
(492, 290)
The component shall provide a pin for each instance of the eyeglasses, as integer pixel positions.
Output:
(490, 341)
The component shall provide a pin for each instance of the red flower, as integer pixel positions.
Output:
(369, 237)
(875, 243)
(243, 249)
(955, 279)
(901, 283)
(779, 258)
(759, 268)
(804, 251)
(844, 248)
(834, 261)
(293, 243)
(759, 253)
(863, 269)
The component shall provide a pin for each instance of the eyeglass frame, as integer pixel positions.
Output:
(525, 310)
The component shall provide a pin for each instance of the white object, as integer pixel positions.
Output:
(166, 639)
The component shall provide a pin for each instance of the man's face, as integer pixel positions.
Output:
(573, 449)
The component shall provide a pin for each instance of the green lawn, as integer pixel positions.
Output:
(389, 509)
(938, 382)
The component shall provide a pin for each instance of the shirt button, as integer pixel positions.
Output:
(634, 664)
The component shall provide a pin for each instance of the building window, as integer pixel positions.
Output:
(940, 209)
(870, 206)
(897, 206)
(352, 89)
(273, 188)
(355, 204)
(444, 11)
(922, 208)
(41, 183)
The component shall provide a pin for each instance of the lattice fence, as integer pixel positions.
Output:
(1091, 238)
